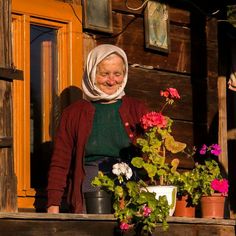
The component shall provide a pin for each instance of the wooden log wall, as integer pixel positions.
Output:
(8, 197)
(190, 67)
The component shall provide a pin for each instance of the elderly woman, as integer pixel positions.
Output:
(94, 131)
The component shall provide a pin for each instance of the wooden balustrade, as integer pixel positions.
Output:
(105, 225)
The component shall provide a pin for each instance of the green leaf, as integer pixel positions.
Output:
(137, 162)
(151, 169)
(119, 191)
(174, 146)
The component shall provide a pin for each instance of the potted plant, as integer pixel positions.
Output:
(200, 183)
(188, 196)
(156, 143)
(133, 207)
(213, 187)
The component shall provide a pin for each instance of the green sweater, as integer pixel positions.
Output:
(108, 136)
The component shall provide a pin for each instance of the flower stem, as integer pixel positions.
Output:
(162, 109)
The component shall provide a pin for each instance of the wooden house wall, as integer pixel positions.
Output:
(190, 67)
(8, 183)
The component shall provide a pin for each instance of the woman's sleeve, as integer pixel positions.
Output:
(60, 161)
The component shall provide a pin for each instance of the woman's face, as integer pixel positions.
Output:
(110, 74)
(232, 81)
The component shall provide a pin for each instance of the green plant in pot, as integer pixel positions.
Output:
(207, 171)
(187, 185)
(156, 142)
(188, 196)
(133, 207)
(211, 181)
(198, 182)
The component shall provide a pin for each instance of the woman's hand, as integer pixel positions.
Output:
(53, 209)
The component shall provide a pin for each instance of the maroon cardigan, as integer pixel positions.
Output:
(66, 168)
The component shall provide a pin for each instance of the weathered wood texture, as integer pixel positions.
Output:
(104, 225)
(8, 197)
(191, 66)
(5, 35)
(223, 121)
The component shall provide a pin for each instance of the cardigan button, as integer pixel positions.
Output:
(131, 135)
(126, 124)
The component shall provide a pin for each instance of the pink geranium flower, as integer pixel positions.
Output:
(215, 149)
(153, 119)
(124, 226)
(203, 149)
(220, 185)
(170, 93)
(146, 211)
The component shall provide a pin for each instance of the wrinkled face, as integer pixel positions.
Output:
(110, 74)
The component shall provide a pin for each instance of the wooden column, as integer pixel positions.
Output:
(223, 122)
(8, 194)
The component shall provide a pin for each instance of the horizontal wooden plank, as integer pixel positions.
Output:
(104, 228)
(179, 16)
(6, 142)
(106, 217)
(146, 84)
(86, 225)
(11, 74)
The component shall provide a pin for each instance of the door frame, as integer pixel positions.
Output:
(65, 18)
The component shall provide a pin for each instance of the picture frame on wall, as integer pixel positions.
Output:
(97, 15)
(156, 20)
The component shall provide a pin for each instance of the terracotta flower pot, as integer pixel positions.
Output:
(183, 208)
(213, 206)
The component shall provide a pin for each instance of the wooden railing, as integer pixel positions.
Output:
(105, 225)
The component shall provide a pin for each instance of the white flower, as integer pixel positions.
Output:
(122, 169)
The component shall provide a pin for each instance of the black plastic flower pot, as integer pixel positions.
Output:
(98, 202)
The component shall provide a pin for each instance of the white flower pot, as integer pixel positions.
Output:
(170, 193)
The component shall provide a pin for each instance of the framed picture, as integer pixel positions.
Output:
(156, 19)
(97, 15)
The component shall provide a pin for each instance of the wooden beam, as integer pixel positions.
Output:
(11, 74)
(6, 142)
(35, 224)
(222, 136)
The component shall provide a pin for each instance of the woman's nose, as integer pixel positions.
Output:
(111, 79)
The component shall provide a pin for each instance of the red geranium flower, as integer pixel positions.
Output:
(146, 211)
(170, 93)
(152, 119)
(124, 226)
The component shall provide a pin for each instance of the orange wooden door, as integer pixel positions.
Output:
(47, 46)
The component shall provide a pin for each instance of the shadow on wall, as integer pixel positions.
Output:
(41, 155)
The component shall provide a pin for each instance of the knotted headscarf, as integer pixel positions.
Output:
(90, 91)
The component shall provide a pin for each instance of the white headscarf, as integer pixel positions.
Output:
(90, 91)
